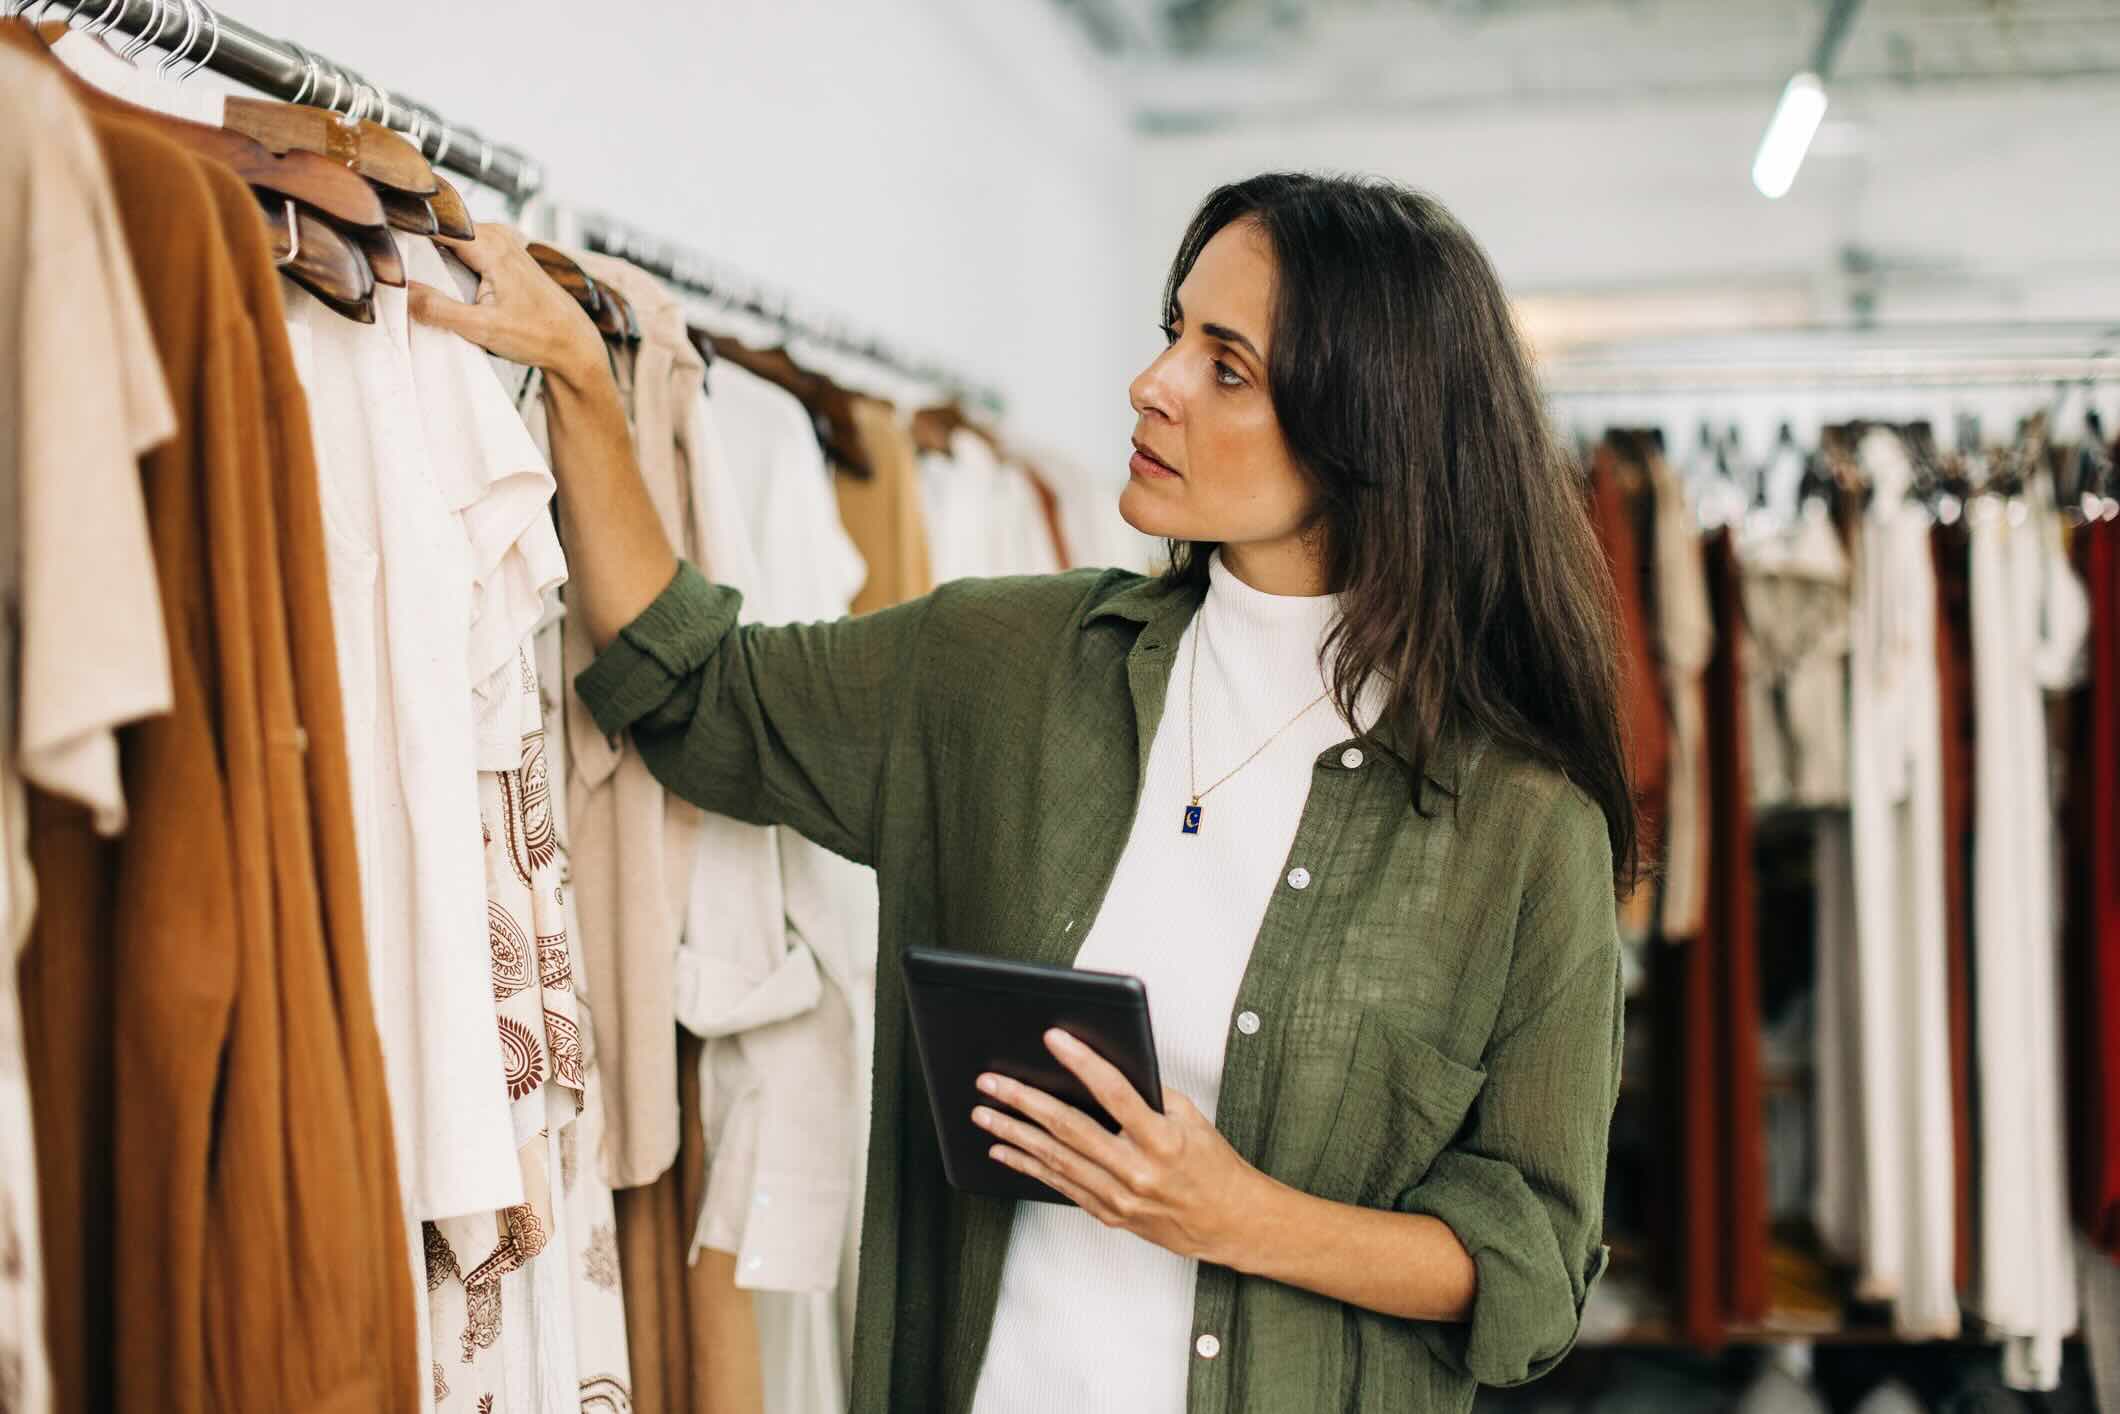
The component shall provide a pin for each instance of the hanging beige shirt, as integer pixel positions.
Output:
(81, 399)
(1797, 614)
(635, 848)
(1686, 627)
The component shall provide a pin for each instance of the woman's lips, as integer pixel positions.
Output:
(1146, 465)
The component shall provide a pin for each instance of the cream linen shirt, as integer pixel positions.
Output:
(81, 400)
(435, 514)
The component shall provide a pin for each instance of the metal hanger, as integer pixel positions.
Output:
(193, 23)
(294, 236)
(213, 46)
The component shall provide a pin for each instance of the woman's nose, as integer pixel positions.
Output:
(1151, 391)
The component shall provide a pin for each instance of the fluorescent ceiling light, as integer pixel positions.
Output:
(1789, 134)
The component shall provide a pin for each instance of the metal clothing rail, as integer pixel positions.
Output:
(696, 274)
(1933, 356)
(1828, 377)
(192, 33)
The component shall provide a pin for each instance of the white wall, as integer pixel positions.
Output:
(962, 178)
(1983, 199)
(948, 175)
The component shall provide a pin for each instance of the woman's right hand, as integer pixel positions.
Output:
(618, 558)
(521, 314)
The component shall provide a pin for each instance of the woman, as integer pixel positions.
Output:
(1345, 786)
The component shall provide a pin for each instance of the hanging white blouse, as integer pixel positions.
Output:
(812, 571)
(2031, 618)
(1908, 1239)
(435, 522)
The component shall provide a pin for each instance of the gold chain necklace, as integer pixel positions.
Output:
(1192, 734)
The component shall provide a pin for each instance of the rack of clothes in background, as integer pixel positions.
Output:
(1872, 702)
(382, 1036)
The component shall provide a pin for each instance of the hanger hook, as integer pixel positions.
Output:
(145, 39)
(192, 24)
(101, 24)
(213, 46)
(294, 235)
(448, 141)
(312, 78)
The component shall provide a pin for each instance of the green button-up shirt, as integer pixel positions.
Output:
(1439, 994)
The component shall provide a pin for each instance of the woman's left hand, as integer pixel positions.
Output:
(1170, 1178)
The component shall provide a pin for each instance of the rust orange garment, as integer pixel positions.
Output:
(196, 1057)
(691, 1332)
(882, 510)
(1641, 701)
(348, 1271)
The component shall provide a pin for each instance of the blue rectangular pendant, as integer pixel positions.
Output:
(1192, 819)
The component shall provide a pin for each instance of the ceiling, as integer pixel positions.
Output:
(1203, 64)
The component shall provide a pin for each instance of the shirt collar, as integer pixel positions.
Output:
(1143, 601)
(1164, 609)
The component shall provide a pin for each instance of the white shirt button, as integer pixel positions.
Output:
(1248, 1022)
(1208, 1347)
(754, 1264)
(763, 1200)
(1351, 758)
(1299, 878)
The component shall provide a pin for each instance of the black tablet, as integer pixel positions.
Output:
(974, 1014)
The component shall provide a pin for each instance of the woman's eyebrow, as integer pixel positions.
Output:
(1230, 336)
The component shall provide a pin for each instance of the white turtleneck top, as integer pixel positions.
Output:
(1093, 1318)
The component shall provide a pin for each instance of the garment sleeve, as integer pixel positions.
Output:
(784, 725)
(1523, 1186)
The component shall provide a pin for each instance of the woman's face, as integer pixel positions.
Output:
(1209, 461)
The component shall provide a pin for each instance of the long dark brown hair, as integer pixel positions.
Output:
(1451, 521)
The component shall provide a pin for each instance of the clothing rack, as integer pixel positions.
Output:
(695, 274)
(192, 33)
(1939, 357)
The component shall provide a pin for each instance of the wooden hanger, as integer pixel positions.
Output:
(319, 257)
(629, 323)
(570, 276)
(932, 427)
(315, 181)
(303, 194)
(410, 214)
(830, 406)
(382, 256)
(450, 212)
(384, 157)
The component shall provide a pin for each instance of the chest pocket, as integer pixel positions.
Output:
(1404, 1101)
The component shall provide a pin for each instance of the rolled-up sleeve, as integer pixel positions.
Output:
(1523, 1185)
(784, 725)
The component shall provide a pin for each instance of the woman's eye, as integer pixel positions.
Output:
(1227, 376)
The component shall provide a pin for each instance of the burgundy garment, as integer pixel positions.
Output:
(1708, 1006)
(1730, 933)
(1951, 549)
(2092, 919)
